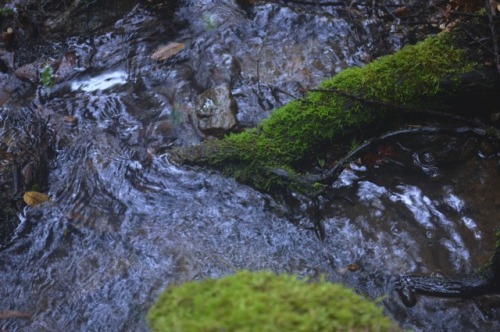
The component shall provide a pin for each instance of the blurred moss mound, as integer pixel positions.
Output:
(264, 301)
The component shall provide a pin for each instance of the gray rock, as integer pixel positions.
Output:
(215, 111)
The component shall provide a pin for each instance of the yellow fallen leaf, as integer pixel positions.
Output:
(33, 198)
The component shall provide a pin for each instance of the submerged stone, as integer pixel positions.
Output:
(216, 111)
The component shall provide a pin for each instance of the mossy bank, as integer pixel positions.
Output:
(297, 133)
(263, 301)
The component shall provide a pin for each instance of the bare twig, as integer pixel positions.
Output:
(331, 175)
(334, 173)
(494, 37)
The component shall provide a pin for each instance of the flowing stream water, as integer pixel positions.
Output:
(124, 222)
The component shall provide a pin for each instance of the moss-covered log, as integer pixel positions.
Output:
(417, 77)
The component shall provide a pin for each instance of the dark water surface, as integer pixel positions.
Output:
(123, 222)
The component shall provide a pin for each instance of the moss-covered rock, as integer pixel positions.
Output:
(263, 301)
(352, 99)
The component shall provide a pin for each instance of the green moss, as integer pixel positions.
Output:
(407, 78)
(263, 301)
(491, 270)
(46, 76)
(6, 12)
(352, 99)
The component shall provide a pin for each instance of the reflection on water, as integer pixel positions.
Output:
(102, 82)
(123, 222)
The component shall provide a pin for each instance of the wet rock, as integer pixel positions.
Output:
(160, 133)
(487, 149)
(83, 17)
(495, 117)
(229, 45)
(215, 111)
(24, 153)
(11, 87)
(28, 72)
(64, 67)
(6, 61)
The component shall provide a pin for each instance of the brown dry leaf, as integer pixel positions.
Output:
(14, 314)
(166, 51)
(401, 11)
(70, 118)
(352, 267)
(32, 198)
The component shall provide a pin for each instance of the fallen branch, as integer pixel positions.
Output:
(408, 286)
(334, 173)
(331, 175)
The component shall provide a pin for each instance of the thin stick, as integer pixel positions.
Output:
(490, 13)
